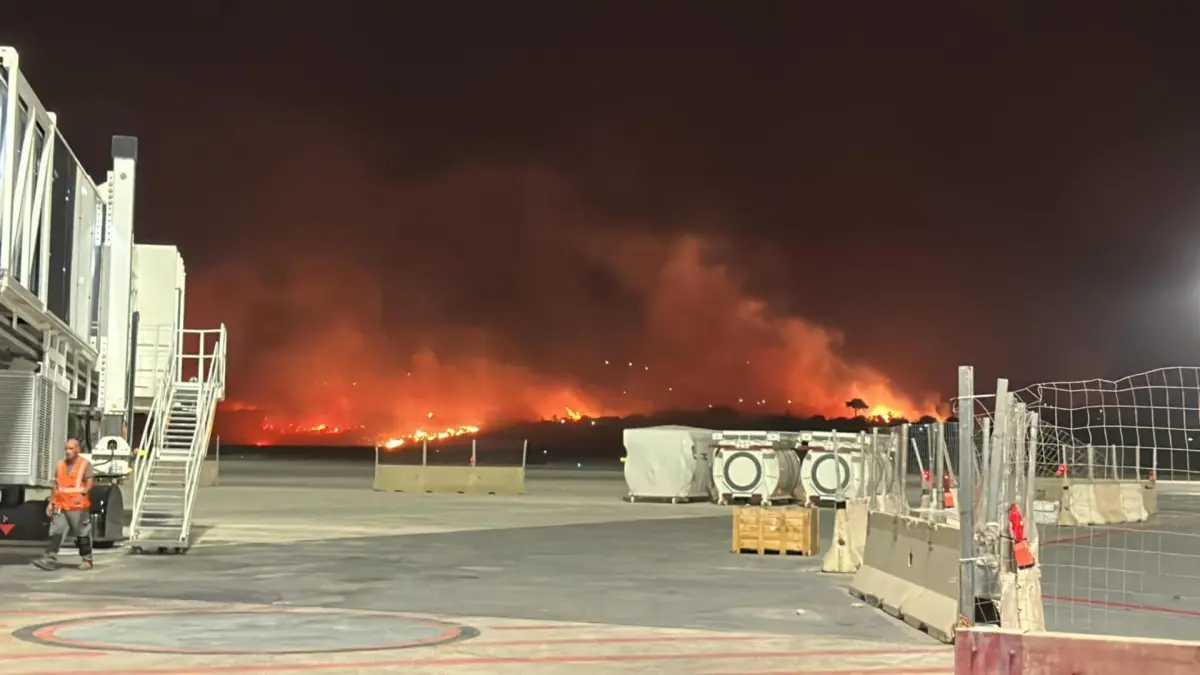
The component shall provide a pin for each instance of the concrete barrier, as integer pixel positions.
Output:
(910, 570)
(503, 480)
(1003, 651)
(210, 473)
(1150, 497)
(1021, 606)
(845, 554)
(1133, 502)
(1099, 502)
(1103, 503)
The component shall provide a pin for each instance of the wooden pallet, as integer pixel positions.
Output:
(780, 531)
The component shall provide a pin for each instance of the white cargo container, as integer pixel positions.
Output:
(670, 463)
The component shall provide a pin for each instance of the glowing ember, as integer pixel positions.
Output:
(306, 428)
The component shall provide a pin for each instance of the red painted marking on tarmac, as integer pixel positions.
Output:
(312, 666)
(6, 528)
(883, 670)
(1123, 605)
(48, 612)
(49, 655)
(551, 626)
(632, 639)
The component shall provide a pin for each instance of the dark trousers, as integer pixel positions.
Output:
(78, 523)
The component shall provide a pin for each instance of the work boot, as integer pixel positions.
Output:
(46, 562)
(85, 565)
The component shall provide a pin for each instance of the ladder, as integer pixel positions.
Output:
(175, 443)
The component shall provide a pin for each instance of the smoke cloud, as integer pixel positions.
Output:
(492, 294)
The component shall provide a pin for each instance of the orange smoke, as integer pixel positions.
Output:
(712, 342)
(323, 343)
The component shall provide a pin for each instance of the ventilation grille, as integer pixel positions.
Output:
(33, 427)
(16, 427)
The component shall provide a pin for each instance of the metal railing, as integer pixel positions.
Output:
(210, 382)
(212, 390)
(152, 432)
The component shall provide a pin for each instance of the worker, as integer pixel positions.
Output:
(70, 509)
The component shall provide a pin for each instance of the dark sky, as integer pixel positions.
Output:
(470, 206)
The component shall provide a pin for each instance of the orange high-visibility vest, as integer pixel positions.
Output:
(70, 492)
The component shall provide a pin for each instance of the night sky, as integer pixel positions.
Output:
(467, 208)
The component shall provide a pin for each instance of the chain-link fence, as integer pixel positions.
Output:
(1104, 485)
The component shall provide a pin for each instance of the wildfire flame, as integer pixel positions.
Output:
(420, 436)
(311, 428)
(574, 415)
(883, 414)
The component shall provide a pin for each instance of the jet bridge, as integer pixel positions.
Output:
(69, 304)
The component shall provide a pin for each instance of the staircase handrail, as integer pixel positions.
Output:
(152, 432)
(211, 391)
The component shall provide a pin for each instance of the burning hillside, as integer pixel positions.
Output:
(601, 320)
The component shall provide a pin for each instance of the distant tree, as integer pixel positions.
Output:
(927, 419)
(858, 406)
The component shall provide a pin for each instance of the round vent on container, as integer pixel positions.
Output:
(742, 471)
(828, 470)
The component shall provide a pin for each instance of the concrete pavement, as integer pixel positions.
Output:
(300, 566)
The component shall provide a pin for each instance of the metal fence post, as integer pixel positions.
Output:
(875, 465)
(839, 495)
(903, 452)
(862, 465)
(966, 494)
(994, 484)
(939, 467)
(1031, 474)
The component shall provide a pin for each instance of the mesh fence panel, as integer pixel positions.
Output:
(1131, 575)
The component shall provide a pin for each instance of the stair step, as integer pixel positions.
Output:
(164, 503)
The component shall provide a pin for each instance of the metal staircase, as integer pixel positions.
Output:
(175, 443)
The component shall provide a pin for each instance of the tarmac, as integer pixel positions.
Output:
(1135, 580)
(299, 566)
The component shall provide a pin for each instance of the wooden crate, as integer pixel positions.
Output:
(783, 531)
